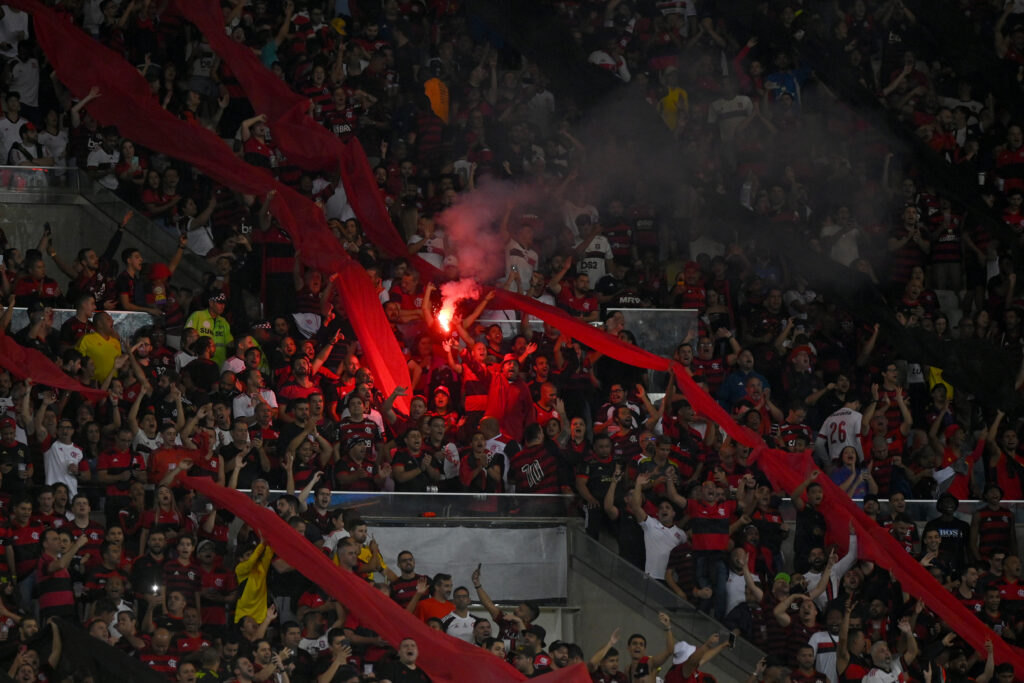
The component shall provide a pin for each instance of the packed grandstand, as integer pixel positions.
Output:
(430, 230)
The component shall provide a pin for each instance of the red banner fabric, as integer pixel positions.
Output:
(303, 141)
(443, 657)
(318, 146)
(29, 363)
(126, 103)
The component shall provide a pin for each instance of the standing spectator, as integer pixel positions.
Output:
(64, 461)
(661, 534)
(103, 159)
(211, 323)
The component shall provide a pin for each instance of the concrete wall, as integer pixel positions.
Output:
(80, 221)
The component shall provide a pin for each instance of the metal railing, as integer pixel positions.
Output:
(443, 508)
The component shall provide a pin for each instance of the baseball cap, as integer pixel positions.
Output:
(7, 421)
(782, 576)
(690, 266)
(354, 441)
(510, 357)
(951, 430)
(35, 305)
(442, 389)
(537, 631)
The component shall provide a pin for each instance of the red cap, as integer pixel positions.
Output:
(805, 348)
(951, 430)
(159, 271)
(7, 421)
(691, 265)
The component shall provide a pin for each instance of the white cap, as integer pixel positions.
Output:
(682, 652)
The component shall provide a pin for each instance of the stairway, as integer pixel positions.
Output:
(613, 593)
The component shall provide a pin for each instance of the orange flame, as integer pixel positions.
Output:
(451, 294)
(444, 316)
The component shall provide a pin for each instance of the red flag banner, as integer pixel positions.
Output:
(125, 102)
(443, 657)
(311, 142)
(303, 140)
(25, 363)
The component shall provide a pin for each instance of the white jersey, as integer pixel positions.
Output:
(57, 144)
(594, 260)
(460, 627)
(100, 156)
(524, 260)
(839, 430)
(56, 461)
(824, 644)
(146, 445)
(879, 676)
(496, 448)
(659, 541)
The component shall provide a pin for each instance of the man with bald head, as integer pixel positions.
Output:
(886, 667)
(498, 444)
(102, 345)
(158, 656)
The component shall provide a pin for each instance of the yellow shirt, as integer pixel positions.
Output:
(365, 556)
(253, 602)
(103, 353)
(671, 104)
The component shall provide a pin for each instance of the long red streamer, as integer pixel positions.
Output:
(309, 145)
(444, 658)
(82, 63)
(29, 363)
(301, 138)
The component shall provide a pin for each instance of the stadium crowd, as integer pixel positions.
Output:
(255, 378)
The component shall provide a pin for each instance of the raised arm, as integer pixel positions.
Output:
(304, 494)
(635, 500)
(595, 661)
(911, 641)
(609, 496)
(797, 496)
(468, 321)
(781, 610)
(485, 599)
(325, 353)
(76, 111)
(247, 130)
(670, 642)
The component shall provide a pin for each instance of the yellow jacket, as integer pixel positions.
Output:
(253, 571)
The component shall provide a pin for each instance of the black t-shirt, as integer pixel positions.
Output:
(204, 373)
(11, 456)
(397, 672)
(955, 535)
(131, 285)
(407, 460)
(810, 533)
